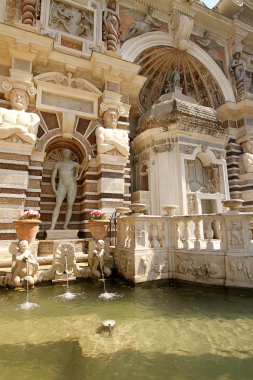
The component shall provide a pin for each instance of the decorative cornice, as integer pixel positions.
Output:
(180, 122)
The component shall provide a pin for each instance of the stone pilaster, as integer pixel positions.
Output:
(14, 179)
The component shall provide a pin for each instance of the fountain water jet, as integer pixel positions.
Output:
(100, 254)
(27, 305)
(68, 295)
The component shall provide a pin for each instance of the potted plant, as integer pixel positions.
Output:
(98, 224)
(28, 225)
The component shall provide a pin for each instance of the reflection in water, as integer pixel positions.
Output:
(162, 332)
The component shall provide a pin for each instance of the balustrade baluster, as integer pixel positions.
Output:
(197, 242)
(186, 235)
(209, 233)
(155, 236)
(179, 243)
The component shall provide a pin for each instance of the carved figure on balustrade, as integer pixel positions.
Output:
(144, 264)
(145, 22)
(215, 179)
(240, 270)
(99, 260)
(17, 123)
(111, 28)
(77, 22)
(109, 138)
(238, 69)
(247, 157)
(236, 237)
(69, 173)
(191, 205)
(25, 267)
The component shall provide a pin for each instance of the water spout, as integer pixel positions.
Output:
(27, 305)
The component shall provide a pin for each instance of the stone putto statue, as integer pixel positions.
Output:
(145, 22)
(247, 157)
(111, 27)
(69, 173)
(238, 69)
(110, 138)
(26, 266)
(99, 260)
(18, 122)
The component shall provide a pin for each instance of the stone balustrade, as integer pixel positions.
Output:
(213, 249)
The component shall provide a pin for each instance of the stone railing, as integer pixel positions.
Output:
(206, 248)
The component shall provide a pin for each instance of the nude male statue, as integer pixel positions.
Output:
(17, 121)
(69, 173)
(110, 138)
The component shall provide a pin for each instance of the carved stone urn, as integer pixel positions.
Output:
(170, 209)
(233, 205)
(99, 228)
(137, 208)
(27, 229)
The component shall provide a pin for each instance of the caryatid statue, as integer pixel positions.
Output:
(247, 157)
(69, 173)
(17, 121)
(109, 137)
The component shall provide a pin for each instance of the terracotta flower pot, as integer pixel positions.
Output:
(99, 228)
(27, 229)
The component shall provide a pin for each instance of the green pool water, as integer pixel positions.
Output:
(162, 332)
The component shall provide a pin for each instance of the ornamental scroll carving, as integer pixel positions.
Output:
(182, 26)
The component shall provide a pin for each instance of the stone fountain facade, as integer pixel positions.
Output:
(154, 106)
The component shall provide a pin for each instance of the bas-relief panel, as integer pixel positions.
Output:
(213, 49)
(75, 21)
(200, 267)
(153, 266)
(130, 17)
(239, 269)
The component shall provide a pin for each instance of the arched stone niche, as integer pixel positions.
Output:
(206, 183)
(133, 49)
(53, 152)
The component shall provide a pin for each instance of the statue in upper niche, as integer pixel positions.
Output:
(18, 122)
(78, 22)
(145, 22)
(172, 80)
(238, 69)
(111, 27)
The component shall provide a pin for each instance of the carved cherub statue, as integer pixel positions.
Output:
(26, 266)
(98, 260)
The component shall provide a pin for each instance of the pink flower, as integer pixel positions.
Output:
(98, 215)
(30, 214)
